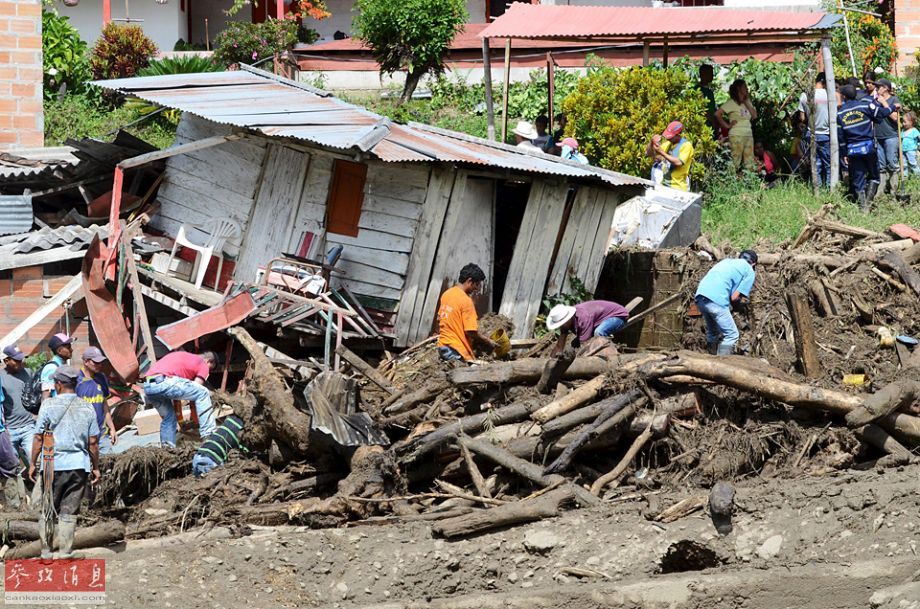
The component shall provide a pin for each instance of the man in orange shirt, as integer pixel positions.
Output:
(458, 324)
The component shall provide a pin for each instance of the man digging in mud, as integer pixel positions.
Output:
(591, 318)
(67, 432)
(728, 284)
(181, 376)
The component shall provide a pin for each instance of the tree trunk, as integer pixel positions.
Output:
(886, 400)
(99, 535)
(570, 401)
(805, 348)
(412, 80)
(529, 370)
(530, 510)
(553, 371)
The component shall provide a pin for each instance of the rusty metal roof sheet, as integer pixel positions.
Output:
(30, 162)
(579, 22)
(278, 107)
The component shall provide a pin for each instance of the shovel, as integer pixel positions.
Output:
(900, 196)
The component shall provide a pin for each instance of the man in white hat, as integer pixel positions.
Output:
(590, 318)
(524, 132)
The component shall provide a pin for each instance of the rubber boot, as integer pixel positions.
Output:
(863, 200)
(67, 528)
(871, 191)
(725, 349)
(883, 182)
(712, 348)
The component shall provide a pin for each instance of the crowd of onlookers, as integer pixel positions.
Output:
(537, 136)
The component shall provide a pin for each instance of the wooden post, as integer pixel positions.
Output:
(805, 347)
(505, 91)
(551, 88)
(645, 52)
(831, 109)
(106, 11)
(846, 31)
(664, 53)
(228, 355)
(487, 81)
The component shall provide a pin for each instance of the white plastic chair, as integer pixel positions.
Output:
(220, 229)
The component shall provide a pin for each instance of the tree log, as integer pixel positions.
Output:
(99, 535)
(876, 436)
(528, 470)
(886, 400)
(585, 436)
(478, 481)
(895, 262)
(614, 475)
(20, 529)
(586, 414)
(570, 401)
(355, 361)
(553, 371)
(792, 393)
(805, 347)
(846, 229)
(407, 401)
(288, 424)
(530, 510)
(529, 370)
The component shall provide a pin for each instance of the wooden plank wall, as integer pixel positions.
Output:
(533, 249)
(271, 221)
(421, 261)
(377, 260)
(584, 242)
(218, 181)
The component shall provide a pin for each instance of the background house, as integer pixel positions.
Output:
(21, 116)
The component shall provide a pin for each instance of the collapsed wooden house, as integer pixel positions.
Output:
(301, 172)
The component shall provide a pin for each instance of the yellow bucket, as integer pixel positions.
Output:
(502, 342)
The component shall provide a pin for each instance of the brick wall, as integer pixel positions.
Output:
(22, 291)
(21, 115)
(907, 30)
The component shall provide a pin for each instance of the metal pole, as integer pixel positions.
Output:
(487, 81)
(831, 109)
(551, 86)
(846, 30)
(505, 91)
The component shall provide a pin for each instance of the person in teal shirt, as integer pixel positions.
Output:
(723, 286)
(61, 347)
(910, 142)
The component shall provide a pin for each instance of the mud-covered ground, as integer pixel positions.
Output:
(834, 541)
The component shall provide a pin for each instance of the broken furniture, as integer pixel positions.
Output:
(220, 229)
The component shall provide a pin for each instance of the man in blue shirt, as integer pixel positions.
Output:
(855, 120)
(72, 422)
(61, 347)
(93, 387)
(724, 285)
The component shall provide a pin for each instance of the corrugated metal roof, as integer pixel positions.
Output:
(576, 22)
(49, 238)
(15, 214)
(274, 106)
(30, 162)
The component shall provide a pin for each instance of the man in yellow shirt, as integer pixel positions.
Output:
(673, 156)
(458, 326)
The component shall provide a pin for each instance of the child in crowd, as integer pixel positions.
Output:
(910, 142)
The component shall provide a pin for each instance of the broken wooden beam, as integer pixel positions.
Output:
(572, 400)
(806, 349)
(369, 372)
(553, 371)
(528, 510)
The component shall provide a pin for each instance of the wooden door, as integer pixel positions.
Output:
(533, 252)
(271, 222)
(584, 240)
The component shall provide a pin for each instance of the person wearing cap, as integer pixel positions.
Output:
(181, 376)
(672, 156)
(886, 137)
(855, 120)
(524, 134)
(569, 151)
(726, 284)
(72, 422)
(93, 387)
(458, 324)
(736, 115)
(61, 347)
(586, 319)
(14, 379)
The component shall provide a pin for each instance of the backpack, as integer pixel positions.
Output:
(32, 392)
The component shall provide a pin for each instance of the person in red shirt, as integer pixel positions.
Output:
(766, 163)
(181, 376)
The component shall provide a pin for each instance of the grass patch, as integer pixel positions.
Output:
(77, 117)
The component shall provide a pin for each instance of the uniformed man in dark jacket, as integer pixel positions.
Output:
(856, 120)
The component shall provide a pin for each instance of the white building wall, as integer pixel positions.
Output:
(213, 11)
(163, 23)
(342, 16)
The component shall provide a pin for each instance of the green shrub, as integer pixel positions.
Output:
(121, 51)
(36, 361)
(529, 99)
(411, 35)
(873, 46)
(613, 113)
(78, 116)
(243, 42)
(64, 61)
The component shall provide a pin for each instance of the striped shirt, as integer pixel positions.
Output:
(225, 438)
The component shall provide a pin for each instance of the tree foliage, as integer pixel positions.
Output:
(873, 46)
(613, 113)
(410, 35)
(64, 61)
(121, 51)
(243, 42)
